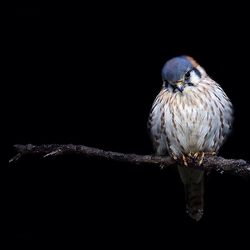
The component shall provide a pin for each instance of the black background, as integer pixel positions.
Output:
(88, 75)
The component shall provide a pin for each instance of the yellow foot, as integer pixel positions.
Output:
(201, 158)
(193, 158)
(174, 156)
(184, 159)
(198, 157)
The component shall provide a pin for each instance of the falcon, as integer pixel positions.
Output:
(191, 117)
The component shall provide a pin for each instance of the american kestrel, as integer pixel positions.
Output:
(190, 117)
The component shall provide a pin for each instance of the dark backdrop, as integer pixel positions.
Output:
(89, 75)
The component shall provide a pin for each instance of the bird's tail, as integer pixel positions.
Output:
(193, 181)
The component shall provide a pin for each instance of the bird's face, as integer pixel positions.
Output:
(180, 72)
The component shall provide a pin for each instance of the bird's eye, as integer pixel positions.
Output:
(187, 75)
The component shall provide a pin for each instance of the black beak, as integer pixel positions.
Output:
(180, 88)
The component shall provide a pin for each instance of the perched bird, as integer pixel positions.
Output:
(190, 117)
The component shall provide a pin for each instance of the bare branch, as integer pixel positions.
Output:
(235, 167)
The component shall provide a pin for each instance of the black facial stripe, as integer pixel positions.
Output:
(165, 83)
(175, 89)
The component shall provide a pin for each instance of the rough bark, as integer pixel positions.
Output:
(236, 167)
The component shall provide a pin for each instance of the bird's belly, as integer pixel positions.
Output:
(192, 131)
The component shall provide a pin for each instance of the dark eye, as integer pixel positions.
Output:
(187, 75)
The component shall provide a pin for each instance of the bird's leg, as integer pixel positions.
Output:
(196, 155)
(189, 158)
(199, 157)
(173, 156)
(196, 158)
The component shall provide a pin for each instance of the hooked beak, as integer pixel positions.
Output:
(180, 86)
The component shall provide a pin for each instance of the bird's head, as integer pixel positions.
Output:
(180, 72)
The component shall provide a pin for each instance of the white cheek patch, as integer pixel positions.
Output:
(194, 78)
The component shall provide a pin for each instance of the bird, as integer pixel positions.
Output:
(190, 118)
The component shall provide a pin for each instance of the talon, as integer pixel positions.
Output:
(196, 154)
(201, 158)
(184, 160)
(174, 157)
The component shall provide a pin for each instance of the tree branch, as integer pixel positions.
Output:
(234, 167)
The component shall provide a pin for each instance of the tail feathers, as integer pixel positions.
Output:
(193, 181)
(194, 196)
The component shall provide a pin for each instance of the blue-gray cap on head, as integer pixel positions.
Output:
(175, 68)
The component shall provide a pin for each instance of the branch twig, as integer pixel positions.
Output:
(235, 167)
